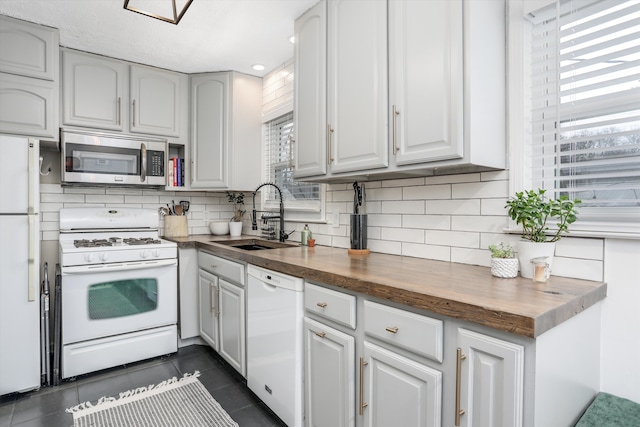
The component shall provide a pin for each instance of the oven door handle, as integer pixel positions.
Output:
(102, 268)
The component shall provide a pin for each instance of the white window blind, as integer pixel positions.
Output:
(303, 197)
(586, 106)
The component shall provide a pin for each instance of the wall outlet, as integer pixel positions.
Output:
(336, 219)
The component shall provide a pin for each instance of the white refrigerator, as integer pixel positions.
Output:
(19, 264)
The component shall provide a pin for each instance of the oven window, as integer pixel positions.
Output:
(122, 298)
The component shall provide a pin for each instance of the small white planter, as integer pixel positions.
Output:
(235, 228)
(504, 267)
(528, 250)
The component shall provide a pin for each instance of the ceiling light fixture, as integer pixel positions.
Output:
(161, 10)
(258, 67)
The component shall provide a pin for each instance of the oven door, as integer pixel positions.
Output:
(111, 299)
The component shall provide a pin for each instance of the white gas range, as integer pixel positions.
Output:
(119, 288)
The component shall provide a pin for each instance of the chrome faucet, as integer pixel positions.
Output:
(254, 220)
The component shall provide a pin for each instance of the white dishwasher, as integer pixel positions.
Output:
(275, 311)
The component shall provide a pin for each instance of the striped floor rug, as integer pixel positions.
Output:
(183, 402)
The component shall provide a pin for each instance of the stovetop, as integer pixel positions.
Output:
(116, 241)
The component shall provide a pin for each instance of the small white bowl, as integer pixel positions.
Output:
(219, 228)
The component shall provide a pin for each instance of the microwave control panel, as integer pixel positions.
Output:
(155, 163)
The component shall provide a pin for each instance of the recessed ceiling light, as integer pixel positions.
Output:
(292, 39)
(258, 67)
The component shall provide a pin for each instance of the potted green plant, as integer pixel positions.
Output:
(503, 260)
(235, 223)
(534, 212)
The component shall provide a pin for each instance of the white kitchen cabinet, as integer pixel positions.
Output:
(208, 291)
(399, 391)
(232, 325)
(329, 376)
(222, 308)
(94, 91)
(226, 111)
(106, 93)
(155, 97)
(354, 135)
(491, 381)
(446, 108)
(357, 85)
(426, 80)
(29, 74)
(310, 118)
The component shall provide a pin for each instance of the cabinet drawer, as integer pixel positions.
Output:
(221, 267)
(333, 305)
(419, 334)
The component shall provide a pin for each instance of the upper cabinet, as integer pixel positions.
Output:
(445, 111)
(29, 74)
(226, 111)
(105, 93)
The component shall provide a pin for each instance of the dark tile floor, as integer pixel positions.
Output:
(46, 407)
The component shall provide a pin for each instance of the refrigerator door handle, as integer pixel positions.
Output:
(32, 176)
(33, 274)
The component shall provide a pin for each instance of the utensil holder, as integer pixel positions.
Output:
(175, 226)
(358, 231)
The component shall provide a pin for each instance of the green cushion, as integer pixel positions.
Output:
(611, 411)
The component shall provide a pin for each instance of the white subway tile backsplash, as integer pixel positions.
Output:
(427, 192)
(578, 268)
(61, 198)
(381, 220)
(450, 179)
(403, 207)
(402, 235)
(393, 193)
(50, 188)
(489, 224)
(470, 256)
(439, 253)
(387, 247)
(493, 206)
(453, 238)
(453, 207)
(480, 190)
(432, 222)
(580, 248)
(495, 176)
(401, 182)
(112, 198)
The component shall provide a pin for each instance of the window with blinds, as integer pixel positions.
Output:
(586, 105)
(303, 200)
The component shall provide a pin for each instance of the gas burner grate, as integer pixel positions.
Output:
(95, 243)
(142, 241)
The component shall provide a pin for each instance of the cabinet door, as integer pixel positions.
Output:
(232, 326)
(93, 91)
(491, 381)
(399, 391)
(28, 49)
(329, 376)
(357, 83)
(209, 131)
(426, 80)
(209, 303)
(155, 100)
(28, 106)
(310, 118)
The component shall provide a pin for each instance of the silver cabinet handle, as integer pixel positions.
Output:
(392, 329)
(292, 141)
(395, 113)
(320, 334)
(322, 304)
(119, 112)
(133, 115)
(329, 132)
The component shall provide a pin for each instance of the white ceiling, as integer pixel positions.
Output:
(213, 35)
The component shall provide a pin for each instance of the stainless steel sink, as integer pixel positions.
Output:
(255, 244)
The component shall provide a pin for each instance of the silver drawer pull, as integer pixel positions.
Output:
(393, 330)
(320, 334)
(322, 304)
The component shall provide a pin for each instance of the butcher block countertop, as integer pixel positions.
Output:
(461, 291)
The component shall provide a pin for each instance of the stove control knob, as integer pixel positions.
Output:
(155, 253)
(88, 257)
(144, 254)
(104, 257)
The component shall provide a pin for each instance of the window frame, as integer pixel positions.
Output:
(591, 223)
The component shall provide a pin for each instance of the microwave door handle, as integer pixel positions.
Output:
(143, 171)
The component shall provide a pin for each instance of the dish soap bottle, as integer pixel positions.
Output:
(305, 234)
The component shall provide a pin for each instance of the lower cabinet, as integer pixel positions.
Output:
(398, 391)
(329, 376)
(222, 308)
(489, 377)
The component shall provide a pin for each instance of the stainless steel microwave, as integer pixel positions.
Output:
(92, 158)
